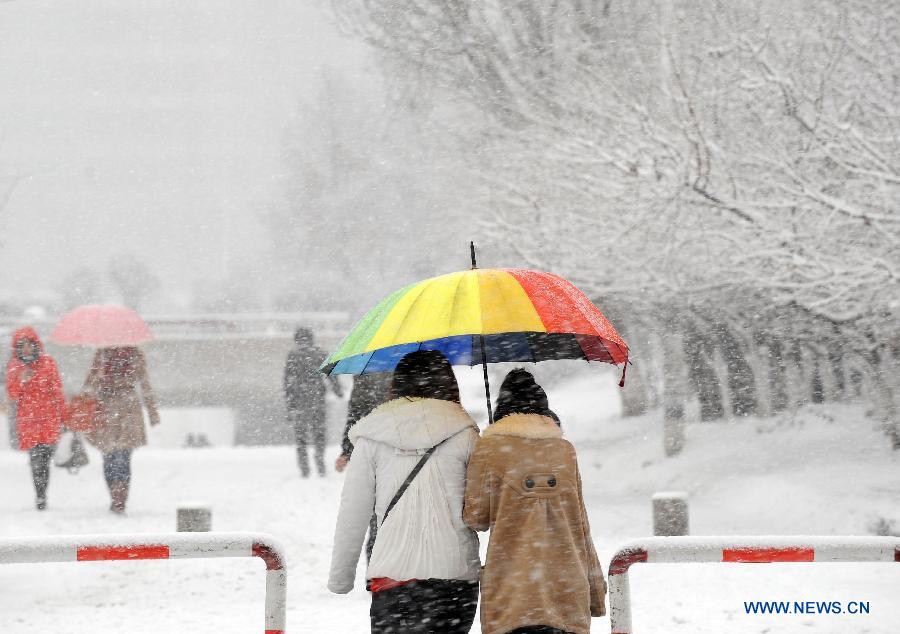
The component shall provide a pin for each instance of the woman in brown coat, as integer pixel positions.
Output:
(542, 573)
(115, 379)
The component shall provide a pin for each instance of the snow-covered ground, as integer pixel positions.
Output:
(824, 471)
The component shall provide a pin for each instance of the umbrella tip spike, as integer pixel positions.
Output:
(472, 252)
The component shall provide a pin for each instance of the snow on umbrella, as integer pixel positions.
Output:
(481, 316)
(101, 326)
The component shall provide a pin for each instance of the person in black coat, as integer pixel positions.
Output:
(304, 392)
(369, 391)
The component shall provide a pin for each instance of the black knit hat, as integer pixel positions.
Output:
(520, 394)
(303, 337)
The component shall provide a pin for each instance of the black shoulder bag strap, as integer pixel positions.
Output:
(412, 474)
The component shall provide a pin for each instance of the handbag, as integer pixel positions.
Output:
(70, 453)
(82, 413)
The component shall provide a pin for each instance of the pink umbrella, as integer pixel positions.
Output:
(101, 327)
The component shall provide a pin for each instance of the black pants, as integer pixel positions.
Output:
(117, 466)
(423, 607)
(40, 456)
(309, 426)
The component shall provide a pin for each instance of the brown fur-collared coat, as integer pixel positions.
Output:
(523, 483)
(118, 380)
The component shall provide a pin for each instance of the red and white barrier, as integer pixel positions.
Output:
(162, 546)
(657, 550)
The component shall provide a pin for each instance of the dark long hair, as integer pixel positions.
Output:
(119, 361)
(425, 374)
(520, 394)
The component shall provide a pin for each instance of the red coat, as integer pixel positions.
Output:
(40, 403)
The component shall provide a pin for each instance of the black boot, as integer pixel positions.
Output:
(40, 498)
(40, 456)
(118, 493)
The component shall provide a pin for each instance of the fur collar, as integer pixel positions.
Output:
(412, 423)
(524, 426)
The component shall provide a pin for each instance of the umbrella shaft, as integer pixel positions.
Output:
(487, 385)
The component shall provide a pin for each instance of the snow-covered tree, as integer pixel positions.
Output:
(368, 199)
(723, 167)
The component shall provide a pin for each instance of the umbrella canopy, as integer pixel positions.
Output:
(101, 327)
(522, 315)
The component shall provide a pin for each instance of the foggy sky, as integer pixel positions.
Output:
(153, 128)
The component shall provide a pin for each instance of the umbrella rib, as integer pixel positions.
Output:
(534, 308)
(624, 352)
(566, 287)
(606, 347)
(599, 341)
(530, 349)
(453, 312)
(406, 317)
(600, 337)
(456, 295)
(580, 347)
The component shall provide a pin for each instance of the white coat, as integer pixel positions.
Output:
(424, 536)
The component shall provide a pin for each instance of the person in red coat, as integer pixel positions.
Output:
(33, 384)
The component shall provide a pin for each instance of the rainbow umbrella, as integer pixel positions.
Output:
(481, 316)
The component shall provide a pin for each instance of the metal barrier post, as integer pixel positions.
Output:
(735, 550)
(133, 547)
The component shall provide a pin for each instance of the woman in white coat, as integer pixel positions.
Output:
(424, 569)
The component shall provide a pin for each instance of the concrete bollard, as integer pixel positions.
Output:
(670, 513)
(193, 518)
